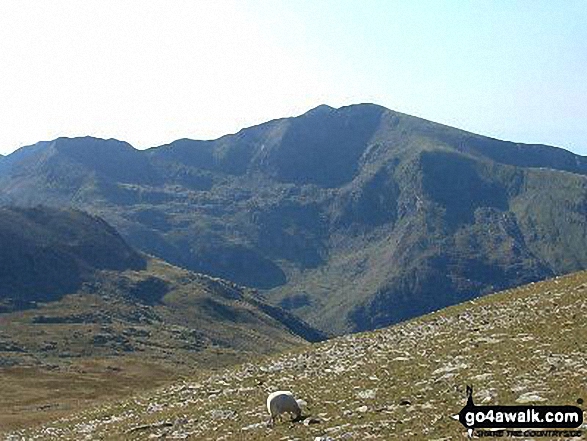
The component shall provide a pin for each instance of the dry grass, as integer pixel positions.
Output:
(403, 382)
(105, 343)
(34, 395)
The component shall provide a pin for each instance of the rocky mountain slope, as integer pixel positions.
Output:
(526, 345)
(353, 218)
(86, 317)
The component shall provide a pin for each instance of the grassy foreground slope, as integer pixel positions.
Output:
(526, 345)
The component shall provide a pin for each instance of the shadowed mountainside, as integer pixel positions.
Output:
(46, 253)
(353, 218)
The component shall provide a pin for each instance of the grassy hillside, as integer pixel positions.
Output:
(87, 318)
(403, 382)
(353, 218)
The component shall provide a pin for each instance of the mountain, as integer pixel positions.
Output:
(523, 346)
(45, 253)
(61, 168)
(87, 317)
(353, 218)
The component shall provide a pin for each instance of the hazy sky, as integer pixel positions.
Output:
(149, 72)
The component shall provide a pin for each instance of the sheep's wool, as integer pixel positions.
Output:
(282, 402)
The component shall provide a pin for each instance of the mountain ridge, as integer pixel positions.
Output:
(353, 218)
(322, 108)
(49, 254)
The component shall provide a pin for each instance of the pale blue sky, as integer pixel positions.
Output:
(151, 72)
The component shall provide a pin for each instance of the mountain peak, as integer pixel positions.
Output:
(321, 109)
(109, 158)
(90, 142)
(324, 109)
(66, 144)
(364, 106)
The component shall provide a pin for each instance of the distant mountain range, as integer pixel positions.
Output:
(353, 218)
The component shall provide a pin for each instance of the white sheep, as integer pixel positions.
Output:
(282, 402)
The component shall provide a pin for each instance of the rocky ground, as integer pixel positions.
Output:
(526, 345)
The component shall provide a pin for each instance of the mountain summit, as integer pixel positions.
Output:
(354, 218)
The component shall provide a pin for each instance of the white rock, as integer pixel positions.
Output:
(154, 407)
(450, 368)
(254, 426)
(530, 397)
(368, 394)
